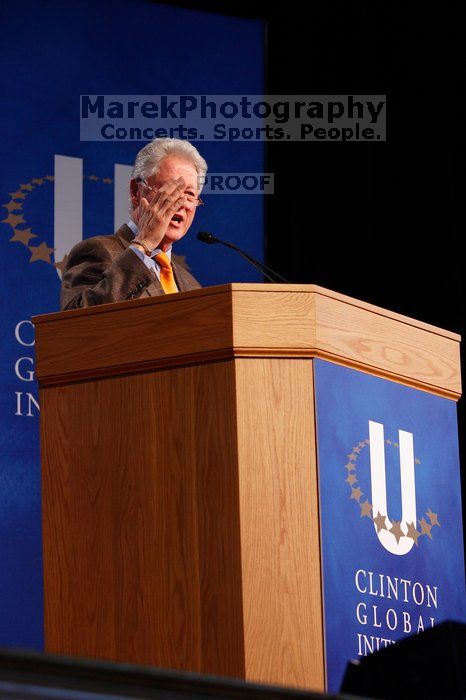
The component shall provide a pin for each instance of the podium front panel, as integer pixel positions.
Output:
(391, 523)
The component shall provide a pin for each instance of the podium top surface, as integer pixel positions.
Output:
(246, 320)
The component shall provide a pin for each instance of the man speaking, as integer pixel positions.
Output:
(136, 260)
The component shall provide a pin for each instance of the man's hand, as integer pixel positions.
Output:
(153, 218)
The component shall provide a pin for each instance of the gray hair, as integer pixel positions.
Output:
(148, 159)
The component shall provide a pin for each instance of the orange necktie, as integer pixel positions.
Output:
(167, 277)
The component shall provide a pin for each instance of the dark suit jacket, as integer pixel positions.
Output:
(102, 270)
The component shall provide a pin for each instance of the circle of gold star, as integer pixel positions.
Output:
(380, 519)
(16, 221)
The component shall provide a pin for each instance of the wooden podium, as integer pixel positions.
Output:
(180, 505)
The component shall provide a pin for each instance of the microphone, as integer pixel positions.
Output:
(206, 237)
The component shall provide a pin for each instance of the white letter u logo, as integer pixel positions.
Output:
(379, 487)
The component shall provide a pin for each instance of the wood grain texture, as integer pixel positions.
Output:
(386, 346)
(181, 523)
(180, 501)
(314, 322)
(107, 337)
(244, 320)
(282, 593)
(244, 287)
(141, 534)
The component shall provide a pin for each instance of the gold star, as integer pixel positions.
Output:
(367, 441)
(356, 493)
(351, 478)
(27, 187)
(389, 442)
(108, 180)
(352, 457)
(62, 264)
(13, 206)
(417, 461)
(38, 180)
(41, 252)
(396, 530)
(14, 219)
(395, 444)
(22, 236)
(350, 466)
(366, 509)
(413, 533)
(379, 521)
(425, 527)
(18, 194)
(362, 444)
(92, 177)
(433, 517)
(50, 178)
(356, 449)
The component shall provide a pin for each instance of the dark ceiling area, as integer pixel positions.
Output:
(378, 221)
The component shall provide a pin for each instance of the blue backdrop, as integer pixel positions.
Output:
(372, 596)
(52, 53)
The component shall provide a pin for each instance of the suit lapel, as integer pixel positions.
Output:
(178, 277)
(183, 279)
(155, 289)
(182, 282)
(124, 235)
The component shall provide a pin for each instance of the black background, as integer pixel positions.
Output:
(382, 222)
